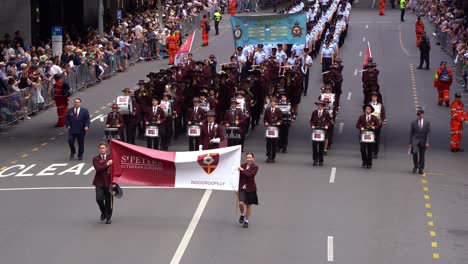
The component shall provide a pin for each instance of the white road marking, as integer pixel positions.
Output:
(77, 188)
(367, 26)
(360, 54)
(191, 228)
(330, 256)
(340, 130)
(100, 117)
(349, 96)
(364, 39)
(355, 72)
(332, 175)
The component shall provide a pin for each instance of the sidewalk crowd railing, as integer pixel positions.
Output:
(447, 46)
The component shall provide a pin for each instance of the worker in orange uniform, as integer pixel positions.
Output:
(232, 7)
(419, 30)
(62, 98)
(457, 112)
(171, 42)
(442, 80)
(382, 7)
(205, 27)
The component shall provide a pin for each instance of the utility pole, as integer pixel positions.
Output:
(101, 18)
(160, 16)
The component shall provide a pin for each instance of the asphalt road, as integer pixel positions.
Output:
(383, 215)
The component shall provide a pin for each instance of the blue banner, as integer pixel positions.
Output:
(270, 29)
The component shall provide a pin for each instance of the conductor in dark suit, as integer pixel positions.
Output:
(102, 181)
(419, 140)
(77, 123)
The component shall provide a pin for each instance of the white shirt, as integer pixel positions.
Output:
(259, 57)
(77, 111)
(421, 123)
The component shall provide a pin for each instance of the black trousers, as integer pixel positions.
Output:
(194, 142)
(271, 147)
(326, 63)
(130, 131)
(377, 140)
(217, 27)
(317, 150)
(71, 142)
(168, 132)
(178, 127)
(329, 133)
(283, 136)
(141, 126)
(424, 57)
(306, 81)
(419, 156)
(403, 14)
(152, 142)
(104, 200)
(366, 153)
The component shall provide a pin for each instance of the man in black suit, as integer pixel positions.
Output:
(77, 123)
(419, 140)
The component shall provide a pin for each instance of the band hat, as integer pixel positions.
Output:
(126, 90)
(211, 113)
(368, 105)
(168, 95)
(141, 82)
(458, 95)
(196, 99)
(212, 56)
(234, 100)
(374, 93)
(320, 102)
(115, 190)
(114, 105)
(240, 91)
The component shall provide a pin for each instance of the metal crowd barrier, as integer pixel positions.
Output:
(446, 44)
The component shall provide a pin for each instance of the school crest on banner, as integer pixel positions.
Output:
(208, 162)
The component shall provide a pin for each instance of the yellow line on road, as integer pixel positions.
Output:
(427, 197)
(425, 189)
(35, 149)
(13, 162)
(24, 155)
(433, 244)
(429, 214)
(44, 144)
(430, 223)
(428, 206)
(3, 168)
(435, 255)
(432, 233)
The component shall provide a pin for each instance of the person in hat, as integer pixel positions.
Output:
(102, 182)
(114, 120)
(367, 122)
(420, 132)
(62, 94)
(212, 134)
(247, 189)
(273, 117)
(213, 64)
(287, 117)
(443, 79)
(130, 120)
(234, 117)
(424, 45)
(379, 112)
(419, 30)
(259, 55)
(195, 117)
(328, 95)
(155, 116)
(319, 119)
(166, 105)
(326, 56)
(457, 113)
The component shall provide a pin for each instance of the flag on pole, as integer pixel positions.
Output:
(367, 56)
(215, 169)
(184, 49)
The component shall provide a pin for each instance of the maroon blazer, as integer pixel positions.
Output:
(229, 118)
(199, 116)
(362, 123)
(324, 120)
(269, 116)
(247, 177)
(159, 114)
(205, 137)
(110, 120)
(102, 177)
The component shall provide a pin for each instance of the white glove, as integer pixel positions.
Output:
(215, 140)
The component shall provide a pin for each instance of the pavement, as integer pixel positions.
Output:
(337, 213)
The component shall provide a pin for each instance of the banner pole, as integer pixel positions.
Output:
(370, 52)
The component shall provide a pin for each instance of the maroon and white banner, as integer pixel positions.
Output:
(215, 169)
(185, 49)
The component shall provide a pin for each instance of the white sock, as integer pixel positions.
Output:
(246, 221)
(242, 214)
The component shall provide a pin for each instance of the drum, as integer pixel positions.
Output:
(152, 131)
(166, 107)
(125, 105)
(272, 132)
(318, 135)
(233, 133)
(111, 133)
(286, 111)
(367, 137)
(193, 131)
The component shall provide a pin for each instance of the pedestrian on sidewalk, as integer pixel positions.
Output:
(443, 79)
(403, 9)
(419, 140)
(217, 18)
(457, 113)
(424, 48)
(77, 123)
(247, 189)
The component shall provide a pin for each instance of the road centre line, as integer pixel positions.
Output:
(332, 175)
(340, 129)
(330, 256)
(364, 39)
(349, 96)
(367, 26)
(355, 72)
(360, 54)
(191, 228)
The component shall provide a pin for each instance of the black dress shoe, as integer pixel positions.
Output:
(421, 171)
(419, 68)
(461, 150)
(321, 163)
(103, 217)
(245, 225)
(108, 221)
(268, 160)
(273, 161)
(80, 158)
(453, 150)
(241, 219)
(325, 152)
(314, 164)
(414, 170)
(72, 156)
(285, 150)
(375, 156)
(369, 166)
(427, 68)
(364, 164)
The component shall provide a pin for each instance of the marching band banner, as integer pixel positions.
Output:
(215, 169)
(184, 49)
(269, 29)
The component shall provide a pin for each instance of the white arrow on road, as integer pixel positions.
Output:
(100, 117)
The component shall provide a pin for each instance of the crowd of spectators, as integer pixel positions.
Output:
(450, 18)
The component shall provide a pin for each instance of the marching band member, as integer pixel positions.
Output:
(212, 134)
(102, 181)
(273, 117)
(233, 117)
(286, 124)
(167, 106)
(114, 120)
(154, 116)
(195, 116)
(130, 121)
(379, 112)
(320, 119)
(247, 189)
(367, 122)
